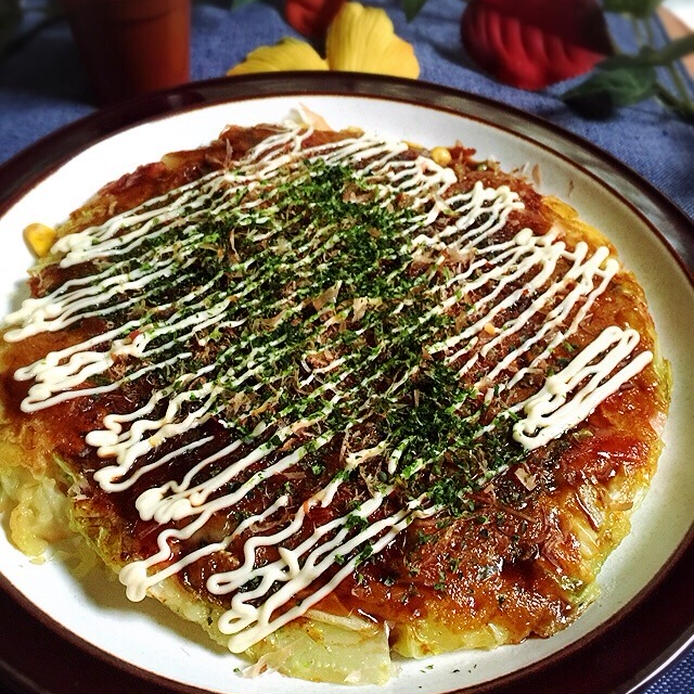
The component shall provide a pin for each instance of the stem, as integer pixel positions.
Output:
(683, 107)
(669, 54)
(679, 82)
(638, 36)
(650, 36)
(674, 50)
(638, 31)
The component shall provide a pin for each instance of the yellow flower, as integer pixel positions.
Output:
(360, 39)
(286, 54)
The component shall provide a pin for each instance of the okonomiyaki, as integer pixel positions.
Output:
(332, 397)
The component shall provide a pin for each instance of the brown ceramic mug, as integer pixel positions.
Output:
(131, 46)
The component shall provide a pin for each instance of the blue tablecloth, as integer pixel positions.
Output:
(43, 86)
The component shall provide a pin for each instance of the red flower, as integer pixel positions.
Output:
(311, 17)
(533, 43)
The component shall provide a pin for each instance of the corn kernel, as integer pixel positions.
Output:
(441, 155)
(39, 238)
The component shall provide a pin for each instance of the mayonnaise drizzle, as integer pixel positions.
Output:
(166, 232)
(550, 412)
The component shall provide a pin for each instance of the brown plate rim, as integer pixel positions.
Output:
(620, 655)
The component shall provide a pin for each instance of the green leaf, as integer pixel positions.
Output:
(607, 90)
(637, 8)
(412, 8)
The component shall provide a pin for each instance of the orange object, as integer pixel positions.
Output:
(131, 46)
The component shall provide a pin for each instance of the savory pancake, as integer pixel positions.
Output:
(329, 395)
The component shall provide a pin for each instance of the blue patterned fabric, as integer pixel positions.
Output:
(43, 86)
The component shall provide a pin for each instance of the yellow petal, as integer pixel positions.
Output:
(286, 54)
(362, 39)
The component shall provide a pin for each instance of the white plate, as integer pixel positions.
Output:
(146, 636)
